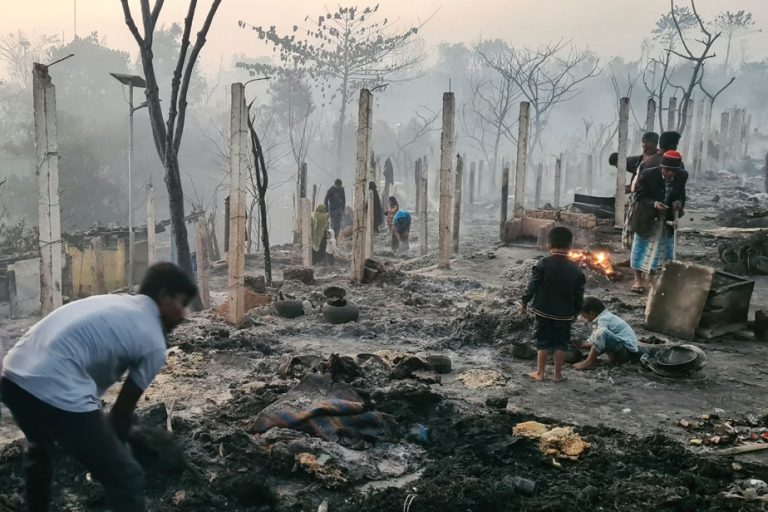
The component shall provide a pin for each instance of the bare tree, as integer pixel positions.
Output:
(168, 132)
(493, 98)
(345, 50)
(262, 183)
(666, 29)
(19, 52)
(417, 129)
(706, 41)
(734, 25)
(546, 76)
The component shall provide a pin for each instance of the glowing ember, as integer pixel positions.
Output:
(597, 261)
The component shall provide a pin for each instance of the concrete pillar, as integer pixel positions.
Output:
(49, 214)
(364, 129)
(238, 167)
(522, 159)
(444, 239)
(621, 174)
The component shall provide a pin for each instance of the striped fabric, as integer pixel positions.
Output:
(652, 253)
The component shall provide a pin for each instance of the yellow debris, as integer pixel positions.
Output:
(558, 442)
(530, 429)
(563, 442)
(482, 379)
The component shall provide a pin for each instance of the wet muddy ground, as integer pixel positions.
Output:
(465, 457)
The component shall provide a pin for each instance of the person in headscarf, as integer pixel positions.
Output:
(392, 210)
(660, 200)
(319, 232)
(378, 211)
(650, 143)
(401, 229)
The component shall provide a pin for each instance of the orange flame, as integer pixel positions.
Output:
(597, 261)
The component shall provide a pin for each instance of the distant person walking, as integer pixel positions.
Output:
(335, 202)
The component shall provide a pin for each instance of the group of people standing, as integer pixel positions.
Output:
(328, 218)
(656, 202)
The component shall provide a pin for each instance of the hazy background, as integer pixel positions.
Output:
(93, 119)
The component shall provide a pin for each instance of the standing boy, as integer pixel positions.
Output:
(610, 335)
(55, 376)
(556, 294)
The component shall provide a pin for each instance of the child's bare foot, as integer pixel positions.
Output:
(558, 378)
(584, 365)
(536, 376)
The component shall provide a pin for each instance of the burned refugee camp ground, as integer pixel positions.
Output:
(423, 404)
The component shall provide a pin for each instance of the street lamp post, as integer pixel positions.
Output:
(131, 81)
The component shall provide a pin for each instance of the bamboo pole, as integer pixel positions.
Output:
(238, 162)
(364, 129)
(622, 163)
(522, 162)
(446, 182)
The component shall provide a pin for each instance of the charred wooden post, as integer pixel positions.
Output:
(698, 135)
(522, 162)
(558, 180)
(369, 237)
(423, 213)
(480, 179)
(504, 201)
(151, 234)
(364, 129)
(736, 134)
(97, 267)
(238, 162)
(650, 115)
(539, 179)
(201, 260)
(472, 183)
(706, 135)
(47, 170)
(689, 130)
(314, 197)
(747, 134)
(671, 114)
(417, 179)
(457, 202)
(446, 182)
(590, 174)
(621, 173)
(305, 209)
(725, 119)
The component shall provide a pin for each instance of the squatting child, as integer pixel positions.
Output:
(610, 335)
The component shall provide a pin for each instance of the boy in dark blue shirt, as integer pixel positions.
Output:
(555, 294)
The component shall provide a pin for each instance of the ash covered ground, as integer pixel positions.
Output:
(451, 446)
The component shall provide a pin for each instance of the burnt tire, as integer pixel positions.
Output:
(289, 308)
(340, 311)
(440, 364)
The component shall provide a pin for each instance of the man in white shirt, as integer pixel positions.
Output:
(54, 377)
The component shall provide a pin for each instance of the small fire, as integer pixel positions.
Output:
(597, 261)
